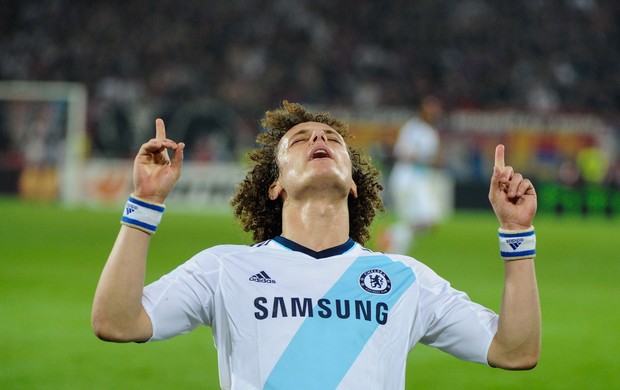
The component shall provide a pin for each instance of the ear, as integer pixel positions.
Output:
(353, 190)
(275, 190)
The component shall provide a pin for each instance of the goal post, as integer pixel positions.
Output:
(45, 123)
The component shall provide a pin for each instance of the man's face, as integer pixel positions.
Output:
(312, 156)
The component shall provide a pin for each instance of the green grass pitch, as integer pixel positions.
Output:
(51, 258)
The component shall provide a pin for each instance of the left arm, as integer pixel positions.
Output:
(517, 343)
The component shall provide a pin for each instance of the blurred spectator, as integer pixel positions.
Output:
(549, 55)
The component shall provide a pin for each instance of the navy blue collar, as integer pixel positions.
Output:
(337, 250)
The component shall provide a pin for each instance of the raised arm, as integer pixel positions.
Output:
(117, 313)
(516, 345)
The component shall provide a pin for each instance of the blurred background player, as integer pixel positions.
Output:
(414, 201)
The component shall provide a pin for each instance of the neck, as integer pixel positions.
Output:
(316, 224)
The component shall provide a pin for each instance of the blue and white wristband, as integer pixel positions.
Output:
(142, 215)
(517, 244)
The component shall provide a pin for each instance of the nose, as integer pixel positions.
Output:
(318, 135)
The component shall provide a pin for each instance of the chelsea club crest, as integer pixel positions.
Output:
(375, 281)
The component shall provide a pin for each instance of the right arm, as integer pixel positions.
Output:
(117, 313)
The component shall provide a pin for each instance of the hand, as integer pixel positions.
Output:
(512, 196)
(154, 173)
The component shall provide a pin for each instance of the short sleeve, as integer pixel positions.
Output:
(182, 300)
(454, 323)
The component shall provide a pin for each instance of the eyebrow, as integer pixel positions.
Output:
(306, 130)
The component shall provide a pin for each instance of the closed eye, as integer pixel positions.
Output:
(297, 140)
(333, 136)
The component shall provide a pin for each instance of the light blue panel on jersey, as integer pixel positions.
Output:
(324, 349)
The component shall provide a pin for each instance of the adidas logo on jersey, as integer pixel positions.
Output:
(261, 277)
(515, 242)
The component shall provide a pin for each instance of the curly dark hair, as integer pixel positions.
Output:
(263, 216)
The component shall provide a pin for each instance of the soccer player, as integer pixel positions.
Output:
(415, 201)
(308, 306)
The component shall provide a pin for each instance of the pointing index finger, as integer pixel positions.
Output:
(160, 129)
(499, 156)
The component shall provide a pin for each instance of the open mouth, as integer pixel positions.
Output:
(320, 153)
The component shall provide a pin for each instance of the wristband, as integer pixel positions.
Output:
(517, 244)
(142, 215)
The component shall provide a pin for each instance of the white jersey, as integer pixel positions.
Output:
(286, 317)
(417, 141)
(411, 179)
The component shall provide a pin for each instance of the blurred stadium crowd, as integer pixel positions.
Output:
(250, 54)
(473, 52)
(233, 59)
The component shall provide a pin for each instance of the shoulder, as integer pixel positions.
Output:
(424, 274)
(407, 261)
(413, 123)
(221, 251)
(235, 250)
